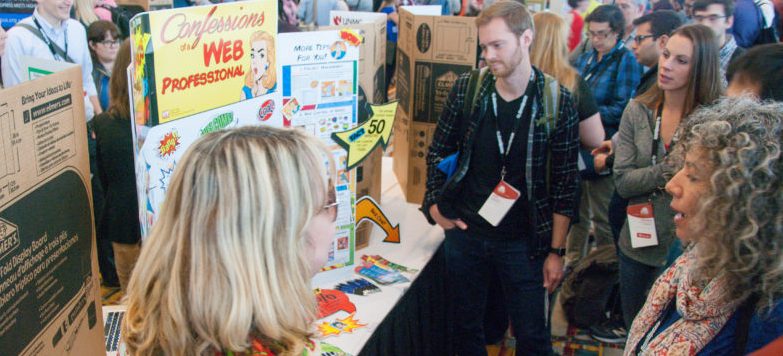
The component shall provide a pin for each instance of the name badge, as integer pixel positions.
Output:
(499, 203)
(641, 225)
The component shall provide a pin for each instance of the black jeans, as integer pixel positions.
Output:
(470, 261)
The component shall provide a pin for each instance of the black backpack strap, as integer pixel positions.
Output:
(40, 36)
(745, 314)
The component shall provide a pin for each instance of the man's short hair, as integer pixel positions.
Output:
(728, 6)
(761, 66)
(610, 14)
(575, 3)
(662, 22)
(516, 16)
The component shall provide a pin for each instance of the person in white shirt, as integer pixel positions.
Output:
(58, 32)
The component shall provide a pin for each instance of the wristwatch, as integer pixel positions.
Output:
(557, 251)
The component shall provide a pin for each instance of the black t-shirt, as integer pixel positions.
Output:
(485, 166)
(584, 100)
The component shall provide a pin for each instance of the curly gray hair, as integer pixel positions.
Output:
(740, 221)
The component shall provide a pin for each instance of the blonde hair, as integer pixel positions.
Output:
(85, 11)
(549, 51)
(739, 223)
(227, 258)
(270, 78)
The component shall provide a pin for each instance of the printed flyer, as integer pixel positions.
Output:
(50, 302)
(319, 72)
(219, 54)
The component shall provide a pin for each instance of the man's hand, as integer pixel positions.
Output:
(444, 222)
(553, 272)
(604, 148)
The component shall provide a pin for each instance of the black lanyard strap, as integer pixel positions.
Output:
(50, 43)
(657, 134)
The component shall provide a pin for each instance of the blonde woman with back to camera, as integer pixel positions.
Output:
(248, 220)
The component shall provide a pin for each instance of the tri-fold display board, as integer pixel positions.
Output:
(200, 69)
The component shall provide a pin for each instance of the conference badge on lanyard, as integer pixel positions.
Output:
(641, 225)
(499, 203)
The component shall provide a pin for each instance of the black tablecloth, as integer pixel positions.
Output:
(420, 323)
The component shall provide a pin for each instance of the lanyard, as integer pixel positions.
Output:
(49, 42)
(603, 65)
(505, 149)
(657, 134)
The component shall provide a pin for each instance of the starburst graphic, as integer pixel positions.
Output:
(168, 144)
(339, 326)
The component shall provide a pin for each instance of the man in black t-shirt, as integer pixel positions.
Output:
(509, 202)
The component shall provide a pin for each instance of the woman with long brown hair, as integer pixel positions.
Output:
(119, 221)
(688, 77)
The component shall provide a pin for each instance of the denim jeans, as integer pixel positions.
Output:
(636, 278)
(470, 261)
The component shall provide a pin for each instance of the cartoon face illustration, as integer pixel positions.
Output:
(261, 77)
(259, 61)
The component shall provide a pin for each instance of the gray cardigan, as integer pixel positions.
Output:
(636, 179)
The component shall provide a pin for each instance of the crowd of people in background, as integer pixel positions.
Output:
(671, 105)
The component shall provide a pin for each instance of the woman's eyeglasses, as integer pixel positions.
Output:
(110, 43)
(331, 206)
(331, 210)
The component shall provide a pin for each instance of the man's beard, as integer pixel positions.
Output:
(507, 67)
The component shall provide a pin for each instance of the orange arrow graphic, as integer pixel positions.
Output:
(368, 209)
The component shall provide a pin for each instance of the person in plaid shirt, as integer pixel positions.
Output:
(509, 203)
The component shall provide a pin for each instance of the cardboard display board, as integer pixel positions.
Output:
(13, 11)
(372, 84)
(163, 91)
(432, 52)
(220, 54)
(319, 73)
(50, 302)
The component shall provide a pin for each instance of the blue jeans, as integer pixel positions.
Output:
(470, 261)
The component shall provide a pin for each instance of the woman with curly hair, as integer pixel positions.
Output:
(721, 296)
(248, 219)
(688, 77)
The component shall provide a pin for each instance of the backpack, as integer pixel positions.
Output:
(766, 34)
(588, 290)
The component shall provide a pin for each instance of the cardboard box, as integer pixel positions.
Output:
(49, 289)
(372, 87)
(432, 52)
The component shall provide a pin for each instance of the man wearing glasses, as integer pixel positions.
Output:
(652, 32)
(632, 10)
(718, 15)
(50, 34)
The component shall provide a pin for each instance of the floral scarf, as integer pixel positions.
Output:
(702, 308)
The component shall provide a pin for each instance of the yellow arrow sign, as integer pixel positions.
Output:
(361, 140)
(368, 209)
